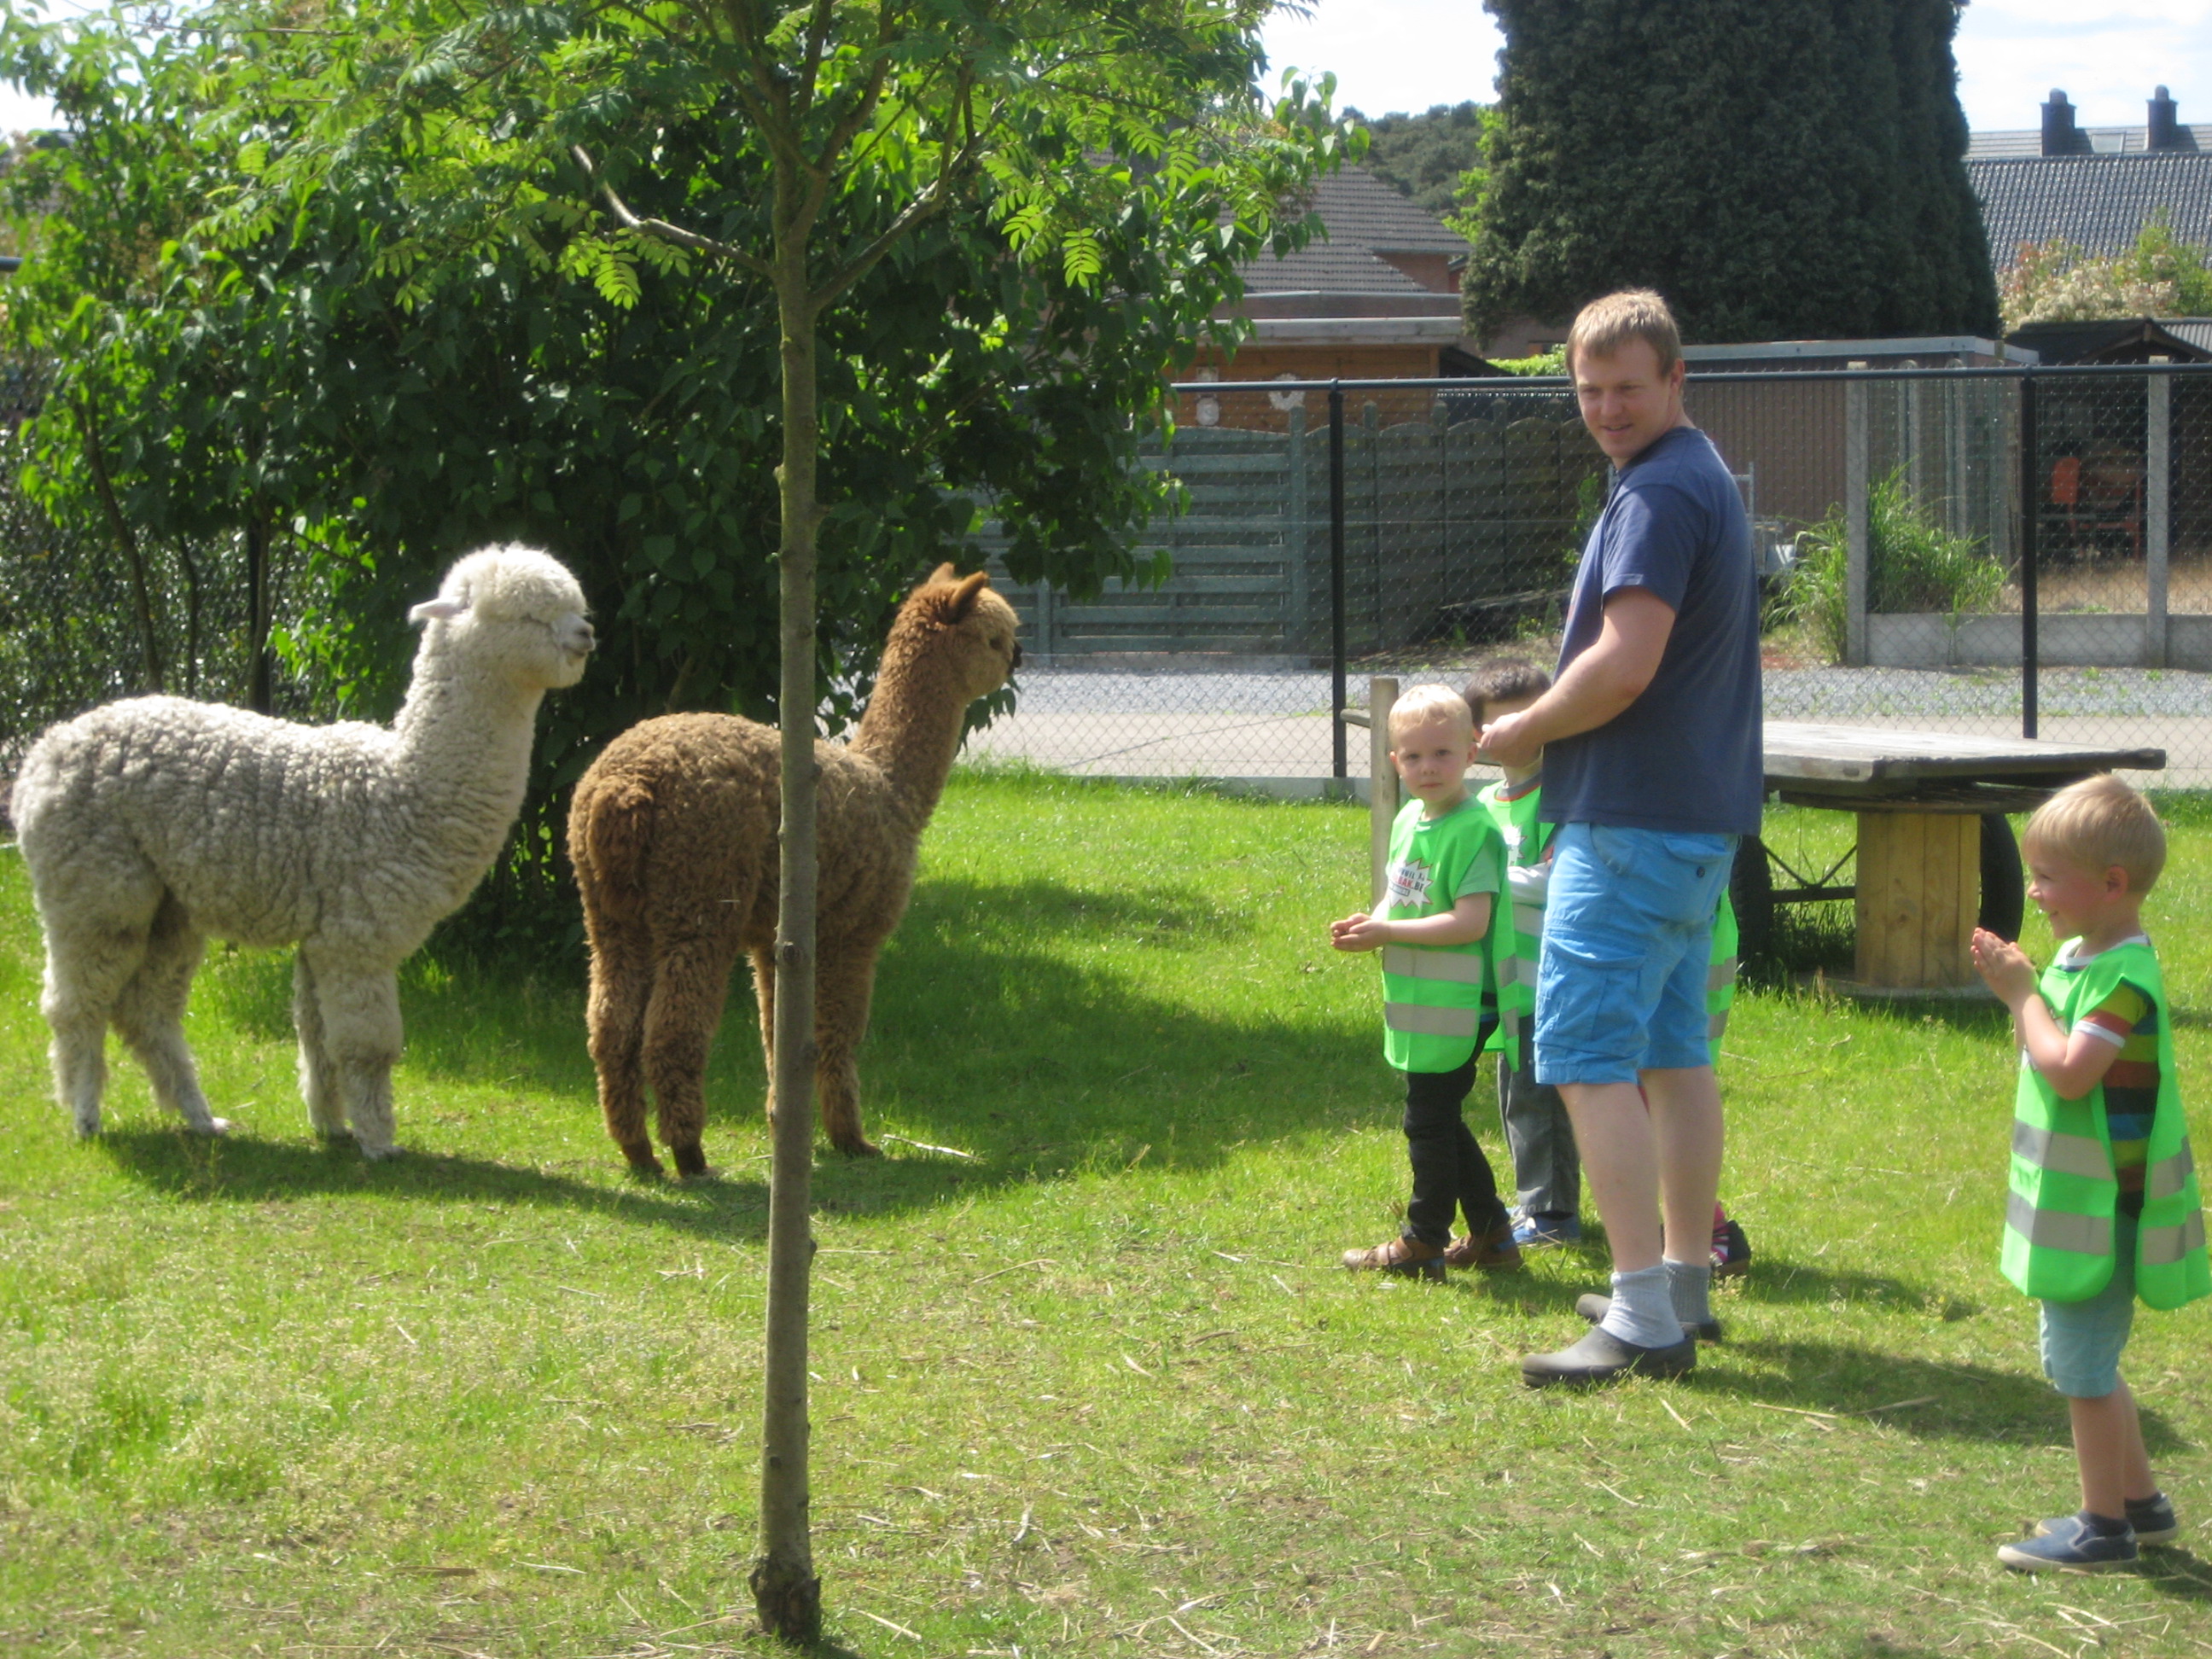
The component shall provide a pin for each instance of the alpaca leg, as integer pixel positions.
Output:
(846, 980)
(319, 1076)
(688, 984)
(362, 1038)
(92, 949)
(149, 1013)
(621, 983)
(764, 994)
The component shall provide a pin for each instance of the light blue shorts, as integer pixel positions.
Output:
(1628, 935)
(2083, 1341)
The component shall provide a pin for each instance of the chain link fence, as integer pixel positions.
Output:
(1990, 551)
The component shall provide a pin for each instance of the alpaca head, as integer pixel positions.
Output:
(959, 621)
(513, 607)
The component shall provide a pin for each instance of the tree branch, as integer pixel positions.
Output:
(663, 231)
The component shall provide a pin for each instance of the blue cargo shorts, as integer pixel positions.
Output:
(2083, 1341)
(1628, 935)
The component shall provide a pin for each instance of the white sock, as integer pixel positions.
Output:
(1692, 1284)
(1643, 1310)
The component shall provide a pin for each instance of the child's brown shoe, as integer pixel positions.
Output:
(1408, 1256)
(1493, 1252)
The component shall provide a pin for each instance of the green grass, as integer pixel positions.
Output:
(1098, 1389)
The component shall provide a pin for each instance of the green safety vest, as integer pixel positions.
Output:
(1434, 997)
(1516, 931)
(2065, 1195)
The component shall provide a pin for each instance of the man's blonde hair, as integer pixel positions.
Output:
(2099, 823)
(1605, 326)
(1423, 703)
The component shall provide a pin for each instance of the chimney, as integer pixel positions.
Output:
(2059, 137)
(2165, 127)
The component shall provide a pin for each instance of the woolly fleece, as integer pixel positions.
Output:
(152, 824)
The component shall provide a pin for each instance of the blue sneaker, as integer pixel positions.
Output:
(2152, 1517)
(2067, 1543)
(1538, 1232)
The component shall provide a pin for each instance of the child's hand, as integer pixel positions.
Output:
(1360, 931)
(2003, 966)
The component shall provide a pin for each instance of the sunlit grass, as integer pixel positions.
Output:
(1097, 1386)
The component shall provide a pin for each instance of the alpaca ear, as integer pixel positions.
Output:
(438, 610)
(963, 596)
(944, 573)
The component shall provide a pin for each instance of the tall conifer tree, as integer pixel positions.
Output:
(1778, 168)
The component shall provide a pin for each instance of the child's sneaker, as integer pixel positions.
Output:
(1408, 1256)
(1542, 1230)
(2152, 1517)
(2071, 1542)
(1731, 1249)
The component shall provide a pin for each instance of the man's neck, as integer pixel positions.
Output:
(1682, 421)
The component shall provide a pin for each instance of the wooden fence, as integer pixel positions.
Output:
(1460, 523)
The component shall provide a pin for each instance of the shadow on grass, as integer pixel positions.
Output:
(999, 1028)
(1928, 1399)
(2173, 1571)
(237, 1169)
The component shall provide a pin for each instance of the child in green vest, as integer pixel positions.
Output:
(1438, 1003)
(1547, 1171)
(2104, 1205)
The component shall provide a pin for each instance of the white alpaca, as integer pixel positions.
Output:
(151, 825)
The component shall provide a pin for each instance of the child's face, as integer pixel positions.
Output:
(1431, 758)
(2074, 896)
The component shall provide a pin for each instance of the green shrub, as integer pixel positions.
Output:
(1913, 564)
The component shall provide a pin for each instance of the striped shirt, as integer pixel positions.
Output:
(2128, 1020)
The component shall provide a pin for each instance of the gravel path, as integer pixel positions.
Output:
(1274, 725)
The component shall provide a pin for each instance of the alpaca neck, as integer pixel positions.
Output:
(462, 742)
(912, 731)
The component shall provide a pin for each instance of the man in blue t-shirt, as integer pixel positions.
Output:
(1651, 743)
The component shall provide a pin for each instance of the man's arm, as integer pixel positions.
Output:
(1596, 686)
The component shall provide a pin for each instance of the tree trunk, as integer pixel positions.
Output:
(257, 694)
(787, 1594)
(141, 598)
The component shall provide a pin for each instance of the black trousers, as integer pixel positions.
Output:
(1450, 1174)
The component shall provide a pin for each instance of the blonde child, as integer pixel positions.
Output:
(2104, 1205)
(1439, 1004)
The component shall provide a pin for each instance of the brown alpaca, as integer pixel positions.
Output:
(673, 833)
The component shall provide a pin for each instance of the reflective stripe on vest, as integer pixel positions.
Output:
(2059, 1230)
(1720, 973)
(1451, 967)
(2049, 1149)
(2161, 1246)
(2169, 1175)
(1425, 1019)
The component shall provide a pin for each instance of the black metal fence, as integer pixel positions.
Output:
(2015, 551)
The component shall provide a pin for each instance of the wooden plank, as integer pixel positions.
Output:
(1846, 754)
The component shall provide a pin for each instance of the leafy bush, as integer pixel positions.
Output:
(2161, 276)
(1913, 564)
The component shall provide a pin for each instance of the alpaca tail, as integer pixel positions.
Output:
(609, 841)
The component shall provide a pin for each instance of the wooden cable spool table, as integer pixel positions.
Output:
(1927, 803)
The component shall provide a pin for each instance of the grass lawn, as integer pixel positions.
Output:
(1097, 1389)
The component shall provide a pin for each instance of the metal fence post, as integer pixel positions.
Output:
(1855, 521)
(2031, 509)
(2158, 488)
(1295, 545)
(1336, 577)
(1383, 780)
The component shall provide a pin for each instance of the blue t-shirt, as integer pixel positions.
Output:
(1686, 755)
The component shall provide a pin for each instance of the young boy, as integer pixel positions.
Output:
(1547, 1171)
(2105, 1206)
(1439, 1004)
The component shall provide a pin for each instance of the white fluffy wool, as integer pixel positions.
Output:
(152, 824)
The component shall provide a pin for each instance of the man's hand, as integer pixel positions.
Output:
(2003, 966)
(1509, 741)
(1360, 932)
